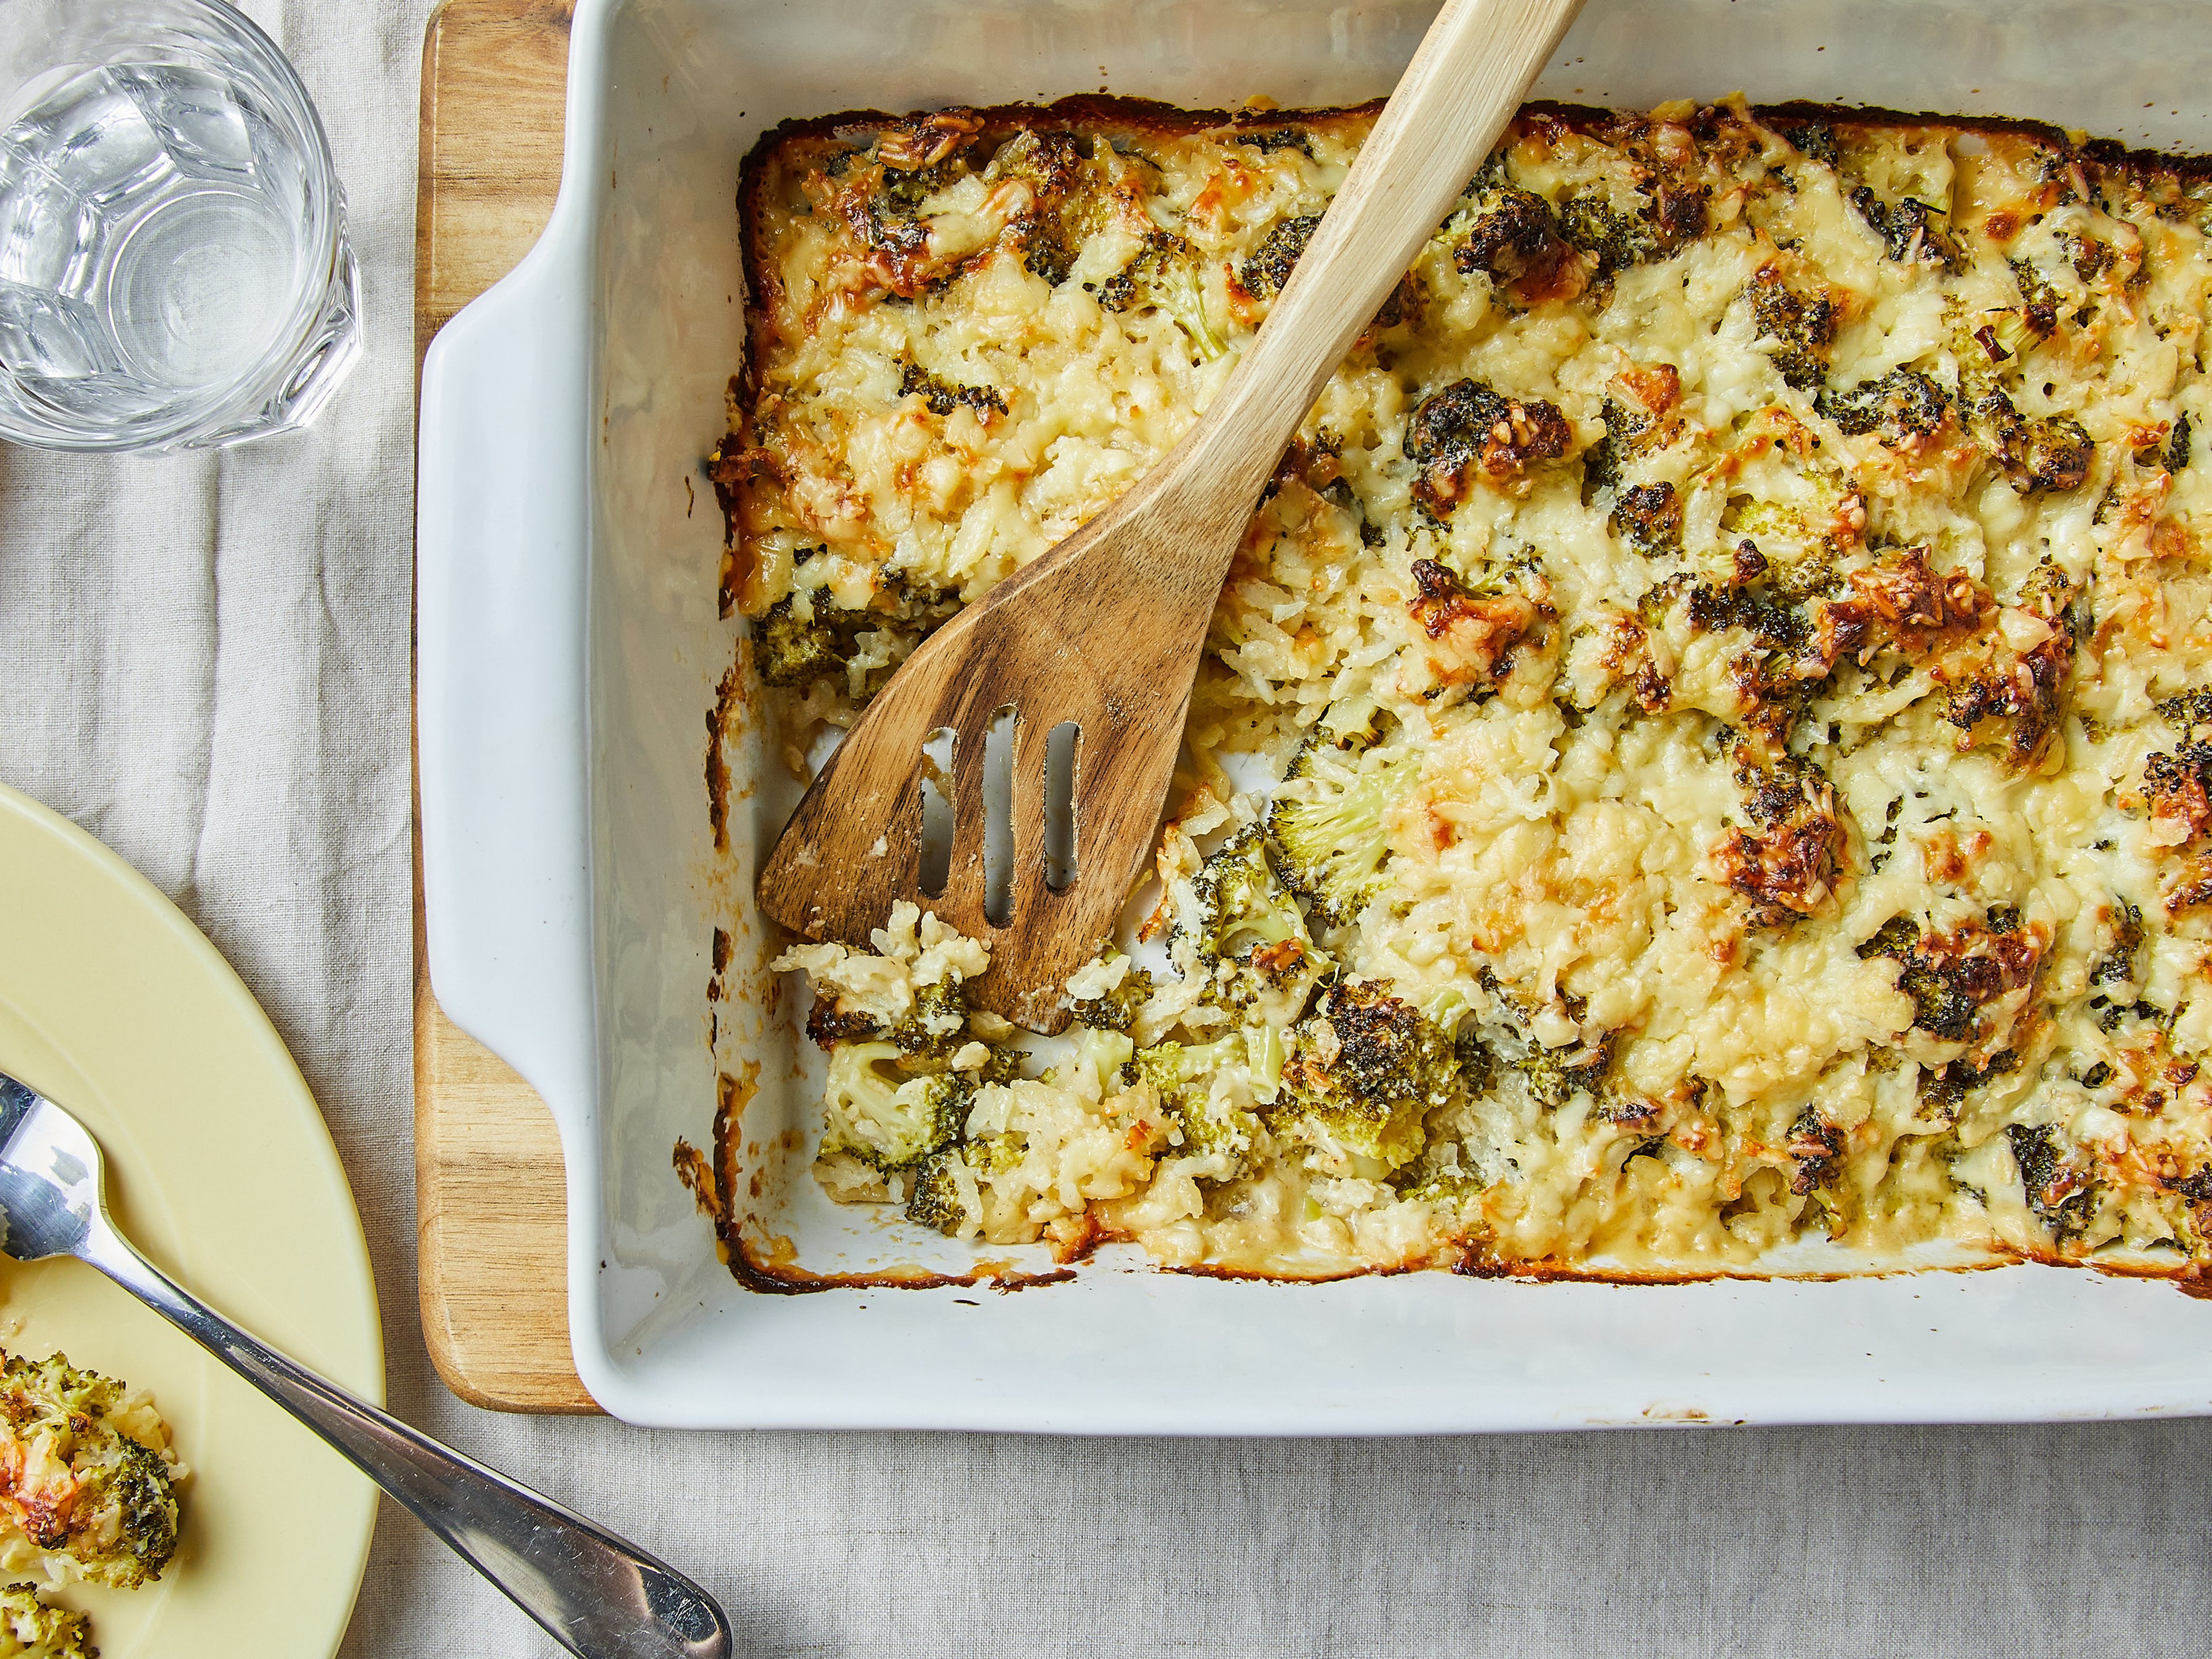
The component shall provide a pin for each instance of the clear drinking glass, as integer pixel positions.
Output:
(174, 265)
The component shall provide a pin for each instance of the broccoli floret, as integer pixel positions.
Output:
(1246, 931)
(1911, 230)
(1165, 275)
(29, 1629)
(1180, 1074)
(1053, 164)
(1003, 1065)
(1512, 229)
(2040, 299)
(1553, 1081)
(1367, 1069)
(1105, 1054)
(1267, 143)
(2054, 453)
(884, 1120)
(936, 1026)
(1629, 432)
(1802, 329)
(1952, 977)
(1942, 1004)
(1114, 1009)
(1618, 239)
(1652, 516)
(2054, 1178)
(790, 649)
(943, 397)
(1902, 404)
(2058, 454)
(945, 1196)
(73, 1483)
(803, 638)
(1468, 427)
(1270, 264)
(2118, 965)
(2189, 712)
(1325, 828)
(1814, 140)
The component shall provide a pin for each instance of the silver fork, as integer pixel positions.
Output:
(599, 1597)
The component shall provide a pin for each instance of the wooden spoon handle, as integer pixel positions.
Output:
(1449, 108)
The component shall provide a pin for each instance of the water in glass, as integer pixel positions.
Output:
(149, 239)
(173, 265)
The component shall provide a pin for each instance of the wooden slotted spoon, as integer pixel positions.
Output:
(1105, 630)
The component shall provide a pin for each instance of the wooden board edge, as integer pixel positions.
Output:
(557, 1388)
(540, 1389)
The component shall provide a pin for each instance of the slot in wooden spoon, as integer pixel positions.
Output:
(1105, 630)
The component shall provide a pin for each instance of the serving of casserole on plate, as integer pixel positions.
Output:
(1696, 771)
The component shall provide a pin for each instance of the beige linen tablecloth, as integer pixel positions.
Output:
(205, 663)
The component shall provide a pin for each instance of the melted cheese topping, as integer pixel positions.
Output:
(1765, 556)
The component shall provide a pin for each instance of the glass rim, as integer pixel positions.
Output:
(212, 410)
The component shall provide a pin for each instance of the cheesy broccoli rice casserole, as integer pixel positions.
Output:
(1705, 746)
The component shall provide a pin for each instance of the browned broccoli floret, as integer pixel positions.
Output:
(1951, 976)
(1629, 432)
(1515, 240)
(1910, 230)
(940, 1199)
(2055, 1178)
(2178, 788)
(2040, 307)
(1814, 140)
(1618, 239)
(1803, 329)
(1903, 405)
(2052, 454)
(1553, 1082)
(1814, 1147)
(790, 649)
(1468, 428)
(2025, 689)
(1948, 1088)
(1052, 163)
(1789, 863)
(1714, 610)
(1369, 1068)
(2118, 965)
(1269, 266)
(2189, 714)
(1268, 142)
(828, 1024)
(805, 637)
(1652, 514)
(73, 1483)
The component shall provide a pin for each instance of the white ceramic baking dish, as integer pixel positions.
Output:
(568, 648)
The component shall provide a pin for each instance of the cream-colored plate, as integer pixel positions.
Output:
(219, 1170)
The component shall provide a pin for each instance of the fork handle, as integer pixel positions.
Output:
(598, 1596)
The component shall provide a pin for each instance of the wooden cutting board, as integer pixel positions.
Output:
(491, 1226)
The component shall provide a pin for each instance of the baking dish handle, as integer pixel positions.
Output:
(502, 517)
